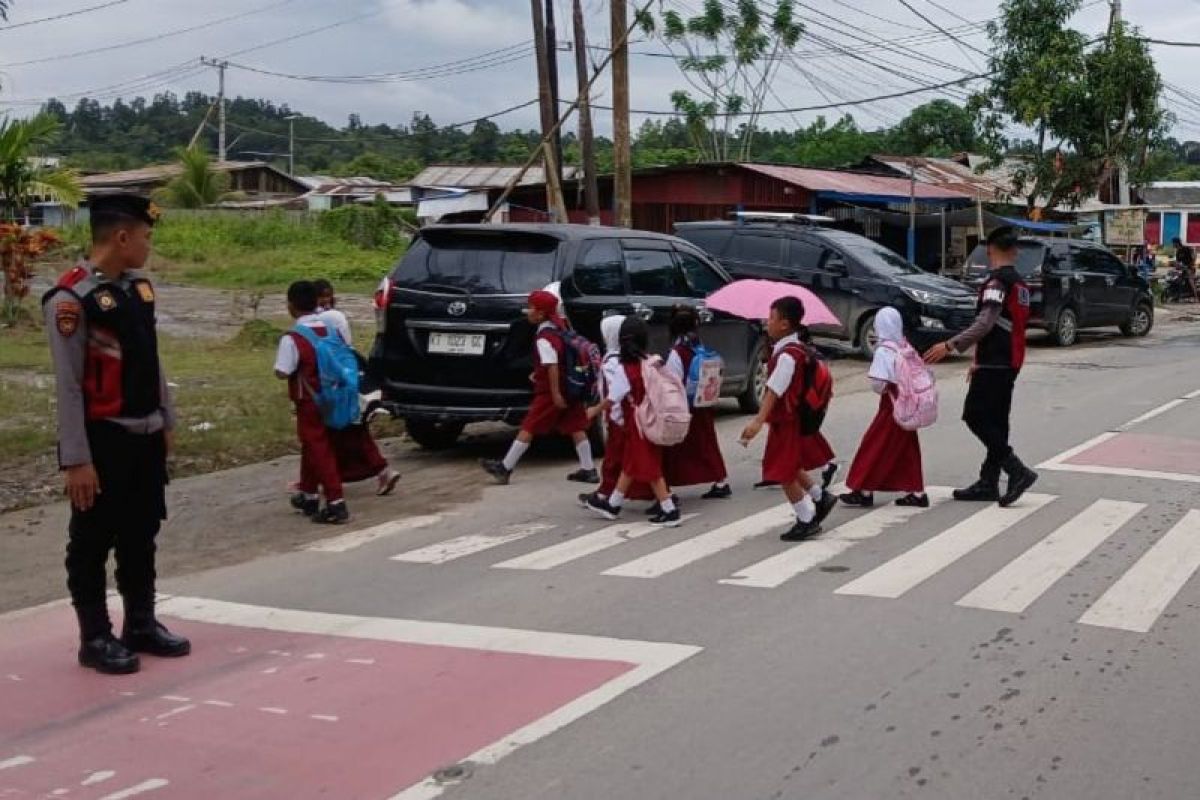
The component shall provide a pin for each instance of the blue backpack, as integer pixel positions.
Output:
(337, 368)
(704, 377)
(580, 368)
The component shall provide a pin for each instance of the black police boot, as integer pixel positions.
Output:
(98, 648)
(984, 490)
(1020, 479)
(142, 633)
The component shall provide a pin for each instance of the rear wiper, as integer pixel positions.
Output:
(438, 287)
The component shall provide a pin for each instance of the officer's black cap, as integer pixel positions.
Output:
(1004, 237)
(107, 209)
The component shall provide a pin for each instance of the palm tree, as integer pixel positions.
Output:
(199, 185)
(22, 177)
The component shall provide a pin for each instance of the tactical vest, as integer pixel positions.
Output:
(121, 376)
(1004, 345)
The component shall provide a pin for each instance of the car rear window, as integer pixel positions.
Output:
(713, 241)
(478, 263)
(1030, 258)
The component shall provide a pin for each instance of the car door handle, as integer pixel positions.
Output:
(643, 312)
(704, 314)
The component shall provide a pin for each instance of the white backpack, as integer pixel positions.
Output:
(663, 416)
(916, 403)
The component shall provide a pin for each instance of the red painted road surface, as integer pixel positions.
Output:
(1144, 452)
(260, 714)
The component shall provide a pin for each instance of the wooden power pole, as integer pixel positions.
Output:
(622, 153)
(552, 72)
(554, 199)
(587, 143)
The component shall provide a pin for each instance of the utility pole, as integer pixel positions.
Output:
(912, 211)
(1123, 196)
(221, 67)
(552, 69)
(554, 199)
(587, 144)
(622, 152)
(292, 143)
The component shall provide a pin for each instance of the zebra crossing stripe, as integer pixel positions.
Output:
(451, 549)
(691, 550)
(565, 552)
(1015, 587)
(893, 578)
(1135, 601)
(778, 569)
(355, 539)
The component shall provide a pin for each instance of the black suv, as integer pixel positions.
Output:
(852, 274)
(452, 344)
(1076, 284)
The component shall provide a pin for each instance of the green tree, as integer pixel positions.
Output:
(1092, 106)
(23, 176)
(484, 144)
(198, 186)
(378, 165)
(938, 128)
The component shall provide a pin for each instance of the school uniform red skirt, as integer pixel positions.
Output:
(642, 459)
(614, 458)
(358, 457)
(788, 453)
(889, 458)
(544, 418)
(697, 459)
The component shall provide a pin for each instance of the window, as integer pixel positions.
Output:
(478, 264)
(654, 273)
(702, 279)
(714, 241)
(803, 254)
(1093, 259)
(757, 248)
(1109, 264)
(599, 269)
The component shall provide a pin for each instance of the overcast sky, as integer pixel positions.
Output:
(370, 37)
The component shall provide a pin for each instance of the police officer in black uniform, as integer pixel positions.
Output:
(115, 425)
(998, 336)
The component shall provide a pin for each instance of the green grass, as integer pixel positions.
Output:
(259, 251)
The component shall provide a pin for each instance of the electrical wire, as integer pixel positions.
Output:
(959, 43)
(491, 58)
(64, 15)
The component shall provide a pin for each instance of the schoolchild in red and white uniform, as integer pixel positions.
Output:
(889, 458)
(697, 459)
(550, 412)
(641, 460)
(790, 454)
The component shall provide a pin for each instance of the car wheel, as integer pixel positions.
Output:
(1140, 321)
(434, 434)
(1066, 328)
(596, 438)
(867, 340)
(750, 400)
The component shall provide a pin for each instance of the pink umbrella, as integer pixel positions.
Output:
(752, 299)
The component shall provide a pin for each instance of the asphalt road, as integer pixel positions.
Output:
(1043, 651)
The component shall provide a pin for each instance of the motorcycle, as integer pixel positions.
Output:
(1180, 284)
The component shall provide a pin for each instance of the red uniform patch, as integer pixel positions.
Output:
(66, 317)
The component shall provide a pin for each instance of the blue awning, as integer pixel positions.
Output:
(1045, 227)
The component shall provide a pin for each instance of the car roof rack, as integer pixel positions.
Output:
(782, 216)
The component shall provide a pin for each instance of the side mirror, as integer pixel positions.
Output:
(836, 265)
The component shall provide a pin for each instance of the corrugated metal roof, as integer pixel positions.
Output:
(486, 176)
(160, 173)
(853, 183)
(992, 185)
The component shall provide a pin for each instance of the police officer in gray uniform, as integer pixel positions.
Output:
(115, 425)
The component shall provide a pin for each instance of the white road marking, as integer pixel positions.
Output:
(367, 661)
(283, 653)
(273, 710)
(1151, 414)
(218, 703)
(14, 677)
(1192, 395)
(1059, 461)
(127, 694)
(669, 559)
(141, 788)
(355, 539)
(324, 717)
(98, 777)
(649, 658)
(270, 670)
(780, 568)
(1137, 599)
(1015, 587)
(60, 792)
(893, 578)
(176, 698)
(451, 549)
(315, 656)
(177, 710)
(1149, 474)
(16, 761)
(573, 549)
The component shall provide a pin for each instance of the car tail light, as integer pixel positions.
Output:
(383, 296)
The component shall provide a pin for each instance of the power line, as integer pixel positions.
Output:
(491, 58)
(64, 15)
(957, 41)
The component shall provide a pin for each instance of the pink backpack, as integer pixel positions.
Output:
(916, 402)
(663, 416)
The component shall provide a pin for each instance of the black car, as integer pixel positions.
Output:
(1076, 284)
(452, 343)
(853, 275)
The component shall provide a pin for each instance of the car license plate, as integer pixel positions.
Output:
(457, 344)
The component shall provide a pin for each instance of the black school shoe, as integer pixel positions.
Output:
(828, 474)
(914, 500)
(981, 491)
(718, 492)
(656, 509)
(857, 499)
(581, 476)
(767, 484)
(306, 505)
(667, 519)
(496, 469)
(824, 506)
(801, 531)
(106, 654)
(154, 638)
(599, 506)
(1020, 479)
(332, 514)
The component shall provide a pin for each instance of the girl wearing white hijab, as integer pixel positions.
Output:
(889, 457)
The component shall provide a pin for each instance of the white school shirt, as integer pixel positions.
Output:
(287, 357)
(337, 321)
(616, 387)
(675, 365)
(785, 366)
(547, 355)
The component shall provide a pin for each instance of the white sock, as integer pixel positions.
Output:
(805, 510)
(584, 451)
(616, 499)
(667, 505)
(515, 451)
(816, 492)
